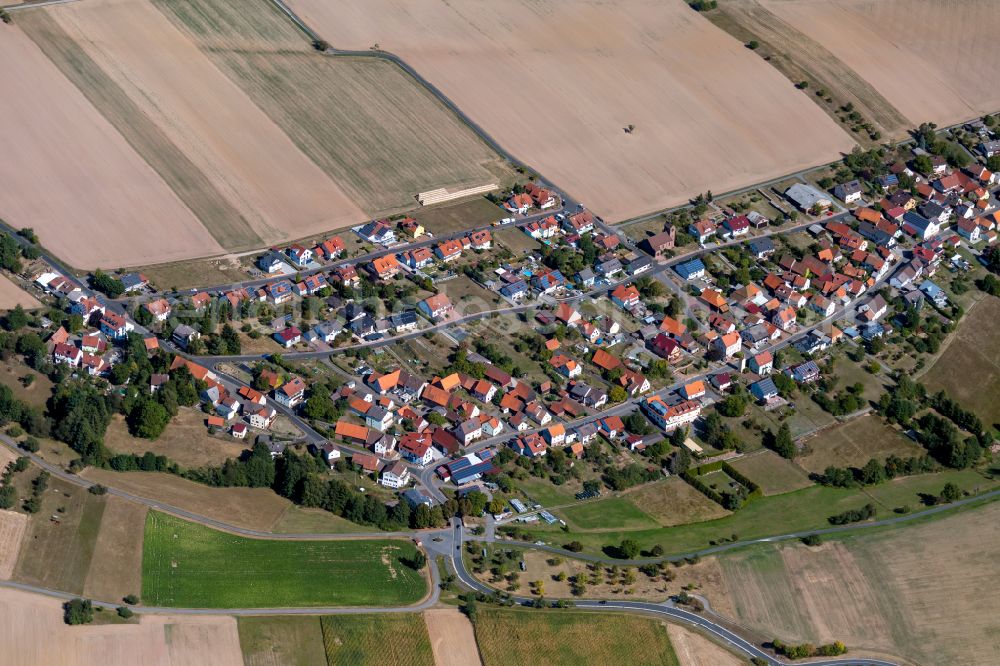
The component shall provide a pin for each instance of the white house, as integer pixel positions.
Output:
(396, 475)
(262, 417)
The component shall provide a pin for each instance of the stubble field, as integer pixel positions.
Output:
(556, 82)
(12, 528)
(71, 176)
(452, 639)
(854, 443)
(932, 59)
(33, 632)
(11, 295)
(568, 638)
(371, 640)
(218, 129)
(693, 649)
(915, 592)
(273, 191)
(799, 57)
(367, 125)
(116, 566)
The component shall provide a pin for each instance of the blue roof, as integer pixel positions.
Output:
(931, 289)
(764, 387)
(688, 267)
(916, 220)
(472, 472)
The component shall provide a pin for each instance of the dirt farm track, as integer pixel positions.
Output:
(555, 82)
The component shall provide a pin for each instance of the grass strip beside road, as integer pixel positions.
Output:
(192, 566)
(802, 510)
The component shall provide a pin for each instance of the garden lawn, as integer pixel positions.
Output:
(567, 638)
(188, 565)
(771, 472)
(611, 513)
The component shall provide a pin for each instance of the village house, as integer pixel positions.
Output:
(737, 226)
(379, 232)
(448, 250)
(384, 268)
(67, 354)
(728, 345)
(288, 336)
(159, 309)
(115, 326)
(299, 256)
(849, 192)
(804, 372)
(330, 249)
(541, 198)
(702, 230)
(670, 417)
(762, 363)
(417, 258)
(291, 393)
(625, 296)
(693, 390)
(436, 307)
(565, 366)
(396, 475)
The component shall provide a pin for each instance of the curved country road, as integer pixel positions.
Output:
(448, 542)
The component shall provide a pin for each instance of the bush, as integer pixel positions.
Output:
(753, 45)
(131, 599)
(853, 515)
(629, 549)
(78, 611)
(812, 540)
(125, 612)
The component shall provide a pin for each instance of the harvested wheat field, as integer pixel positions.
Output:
(72, 177)
(277, 191)
(693, 649)
(915, 592)
(12, 526)
(252, 508)
(12, 295)
(452, 638)
(801, 58)
(932, 59)
(116, 567)
(366, 123)
(556, 81)
(33, 633)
